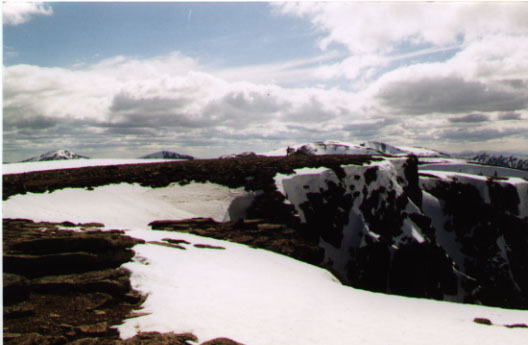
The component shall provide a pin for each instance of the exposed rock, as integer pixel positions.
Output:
(49, 304)
(97, 329)
(221, 341)
(170, 245)
(16, 288)
(144, 338)
(174, 241)
(257, 233)
(482, 321)
(517, 325)
(227, 172)
(18, 311)
(207, 246)
(38, 339)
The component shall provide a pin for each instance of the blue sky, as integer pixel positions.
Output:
(126, 79)
(223, 34)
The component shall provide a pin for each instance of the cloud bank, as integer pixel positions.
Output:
(446, 76)
(16, 13)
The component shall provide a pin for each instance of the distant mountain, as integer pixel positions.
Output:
(330, 147)
(55, 156)
(500, 160)
(247, 154)
(167, 155)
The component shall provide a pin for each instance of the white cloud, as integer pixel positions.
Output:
(366, 27)
(18, 12)
(162, 101)
(383, 89)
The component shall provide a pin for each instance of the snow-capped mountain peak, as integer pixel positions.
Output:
(331, 147)
(56, 155)
(167, 155)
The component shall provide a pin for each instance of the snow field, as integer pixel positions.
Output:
(253, 296)
(124, 205)
(17, 168)
(258, 297)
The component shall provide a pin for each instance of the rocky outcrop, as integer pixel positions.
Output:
(381, 224)
(501, 160)
(62, 285)
(253, 173)
(256, 233)
(386, 228)
(66, 287)
(483, 228)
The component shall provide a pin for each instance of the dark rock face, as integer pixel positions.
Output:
(492, 239)
(503, 161)
(372, 223)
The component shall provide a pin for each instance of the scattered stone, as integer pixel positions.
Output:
(482, 321)
(16, 288)
(93, 329)
(175, 241)
(256, 233)
(38, 339)
(88, 298)
(18, 311)
(266, 226)
(170, 245)
(221, 341)
(135, 314)
(144, 338)
(517, 325)
(207, 246)
(92, 225)
(10, 336)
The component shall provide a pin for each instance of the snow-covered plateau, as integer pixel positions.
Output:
(445, 230)
(18, 168)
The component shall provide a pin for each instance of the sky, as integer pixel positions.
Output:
(120, 80)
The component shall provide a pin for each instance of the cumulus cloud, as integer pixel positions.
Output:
(154, 102)
(509, 116)
(449, 94)
(481, 135)
(381, 27)
(16, 13)
(382, 88)
(469, 118)
(485, 38)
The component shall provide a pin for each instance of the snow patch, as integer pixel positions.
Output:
(124, 205)
(18, 168)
